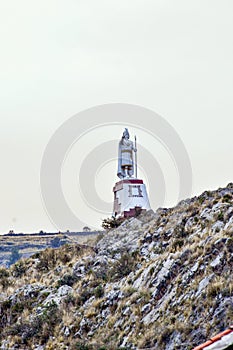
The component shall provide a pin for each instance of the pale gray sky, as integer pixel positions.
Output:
(60, 57)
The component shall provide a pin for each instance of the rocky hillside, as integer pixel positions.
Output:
(163, 280)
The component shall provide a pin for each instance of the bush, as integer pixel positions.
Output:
(4, 278)
(47, 259)
(68, 280)
(82, 346)
(99, 291)
(177, 243)
(112, 222)
(18, 269)
(220, 216)
(4, 273)
(122, 267)
(42, 326)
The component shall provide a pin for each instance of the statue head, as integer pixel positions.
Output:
(126, 134)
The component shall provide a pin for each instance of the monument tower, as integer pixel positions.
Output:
(130, 195)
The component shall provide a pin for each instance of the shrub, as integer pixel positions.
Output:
(64, 257)
(18, 269)
(81, 346)
(4, 278)
(122, 267)
(220, 216)
(177, 243)
(67, 279)
(99, 291)
(4, 273)
(85, 295)
(227, 198)
(43, 326)
(112, 222)
(201, 199)
(47, 259)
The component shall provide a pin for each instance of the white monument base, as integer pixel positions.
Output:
(130, 197)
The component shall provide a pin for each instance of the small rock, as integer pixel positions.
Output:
(66, 331)
(64, 290)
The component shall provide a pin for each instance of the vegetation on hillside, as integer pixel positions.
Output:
(160, 280)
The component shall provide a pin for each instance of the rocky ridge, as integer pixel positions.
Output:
(163, 280)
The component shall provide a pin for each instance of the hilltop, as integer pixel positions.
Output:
(163, 280)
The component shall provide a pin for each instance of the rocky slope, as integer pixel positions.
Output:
(163, 280)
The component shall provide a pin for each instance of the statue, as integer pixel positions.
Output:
(125, 156)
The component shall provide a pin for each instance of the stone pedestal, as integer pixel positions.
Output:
(130, 197)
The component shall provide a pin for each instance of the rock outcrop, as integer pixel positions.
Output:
(162, 280)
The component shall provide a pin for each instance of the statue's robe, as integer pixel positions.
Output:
(125, 158)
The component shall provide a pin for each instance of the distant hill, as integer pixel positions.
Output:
(163, 280)
(29, 244)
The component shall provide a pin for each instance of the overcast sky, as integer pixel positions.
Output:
(61, 57)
